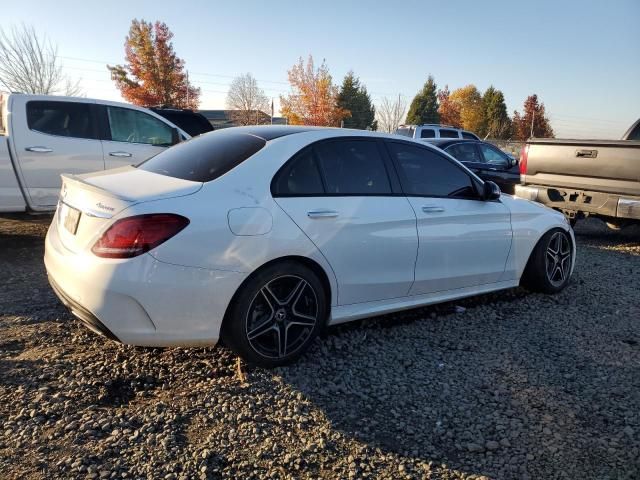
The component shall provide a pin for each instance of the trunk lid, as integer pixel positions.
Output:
(89, 201)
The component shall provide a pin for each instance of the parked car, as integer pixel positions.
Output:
(585, 178)
(428, 131)
(193, 123)
(263, 235)
(485, 160)
(42, 136)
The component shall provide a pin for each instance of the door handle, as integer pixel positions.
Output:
(322, 214)
(432, 209)
(120, 154)
(39, 149)
(586, 153)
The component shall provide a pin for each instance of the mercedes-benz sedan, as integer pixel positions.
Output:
(262, 236)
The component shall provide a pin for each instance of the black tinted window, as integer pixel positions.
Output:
(464, 152)
(66, 119)
(428, 133)
(445, 133)
(206, 157)
(192, 123)
(299, 177)
(425, 173)
(469, 135)
(353, 167)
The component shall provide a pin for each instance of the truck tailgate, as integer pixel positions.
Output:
(596, 165)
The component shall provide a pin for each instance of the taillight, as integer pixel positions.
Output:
(524, 155)
(133, 236)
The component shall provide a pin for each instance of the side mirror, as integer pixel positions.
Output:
(491, 191)
(175, 136)
(513, 161)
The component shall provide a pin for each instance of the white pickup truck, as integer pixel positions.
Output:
(43, 136)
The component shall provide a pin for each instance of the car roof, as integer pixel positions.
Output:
(443, 143)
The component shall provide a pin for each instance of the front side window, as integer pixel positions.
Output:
(425, 173)
(469, 136)
(65, 119)
(464, 152)
(428, 133)
(446, 133)
(493, 155)
(300, 177)
(353, 167)
(133, 126)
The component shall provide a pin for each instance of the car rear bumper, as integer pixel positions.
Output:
(141, 301)
(592, 203)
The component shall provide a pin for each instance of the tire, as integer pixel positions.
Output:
(549, 266)
(276, 314)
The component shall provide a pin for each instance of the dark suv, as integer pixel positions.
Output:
(485, 160)
(191, 122)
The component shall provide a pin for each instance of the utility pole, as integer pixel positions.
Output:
(533, 117)
(187, 87)
(271, 110)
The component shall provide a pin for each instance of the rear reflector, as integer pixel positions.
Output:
(133, 236)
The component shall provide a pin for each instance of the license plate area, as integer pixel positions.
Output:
(70, 218)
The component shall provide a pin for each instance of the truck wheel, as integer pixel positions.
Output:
(549, 266)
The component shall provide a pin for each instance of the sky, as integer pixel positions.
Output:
(582, 58)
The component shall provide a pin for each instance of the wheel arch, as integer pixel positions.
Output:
(552, 228)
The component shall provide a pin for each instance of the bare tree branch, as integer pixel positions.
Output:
(391, 113)
(247, 102)
(29, 64)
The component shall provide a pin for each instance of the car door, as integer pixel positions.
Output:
(464, 241)
(468, 154)
(58, 136)
(132, 136)
(345, 197)
(498, 168)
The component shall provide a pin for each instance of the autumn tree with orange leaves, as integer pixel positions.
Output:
(153, 74)
(449, 110)
(314, 98)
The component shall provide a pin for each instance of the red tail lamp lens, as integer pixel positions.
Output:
(133, 236)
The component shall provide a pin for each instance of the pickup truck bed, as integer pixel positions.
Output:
(583, 177)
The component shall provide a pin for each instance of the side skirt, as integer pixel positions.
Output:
(347, 313)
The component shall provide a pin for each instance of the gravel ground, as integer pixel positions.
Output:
(512, 385)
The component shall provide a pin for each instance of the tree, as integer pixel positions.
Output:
(469, 102)
(533, 122)
(495, 120)
(354, 98)
(247, 101)
(449, 110)
(153, 75)
(29, 64)
(424, 107)
(391, 113)
(314, 98)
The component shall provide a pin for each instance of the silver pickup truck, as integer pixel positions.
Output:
(584, 178)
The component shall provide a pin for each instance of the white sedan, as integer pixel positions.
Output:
(262, 236)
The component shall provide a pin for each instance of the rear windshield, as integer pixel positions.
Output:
(206, 157)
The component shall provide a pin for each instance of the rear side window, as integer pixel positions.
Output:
(133, 126)
(353, 167)
(192, 123)
(464, 152)
(405, 132)
(445, 133)
(469, 135)
(206, 157)
(428, 133)
(425, 173)
(64, 119)
(300, 177)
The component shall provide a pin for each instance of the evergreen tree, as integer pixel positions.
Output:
(495, 120)
(354, 97)
(424, 107)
